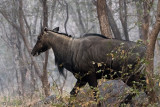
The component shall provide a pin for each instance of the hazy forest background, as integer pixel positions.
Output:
(24, 78)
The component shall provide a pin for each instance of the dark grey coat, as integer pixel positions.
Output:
(92, 57)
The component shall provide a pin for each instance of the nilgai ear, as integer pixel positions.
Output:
(56, 29)
(45, 29)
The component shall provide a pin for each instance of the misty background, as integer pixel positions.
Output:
(18, 77)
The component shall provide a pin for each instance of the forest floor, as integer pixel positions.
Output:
(111, 93)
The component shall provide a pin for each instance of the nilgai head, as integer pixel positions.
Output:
(41, 44)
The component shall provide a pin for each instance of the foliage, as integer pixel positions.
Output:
(18, 76)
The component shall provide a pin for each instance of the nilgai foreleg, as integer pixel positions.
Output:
(78, 85)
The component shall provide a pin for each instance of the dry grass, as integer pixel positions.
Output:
(110, 95)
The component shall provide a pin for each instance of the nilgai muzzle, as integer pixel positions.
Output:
(93, 57)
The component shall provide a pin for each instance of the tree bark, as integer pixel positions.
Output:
(139, 17)
(103, 18)
(150, 56)
(53, 11)
(44, 79)
(67, 17)
(21, 60)
(113, 24)
(147, 4)
(123, 17)
(80, 18)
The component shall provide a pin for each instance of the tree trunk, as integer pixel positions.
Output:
(147, 4)
(82, 28)
(67, 17)
(21, 61)
(140, 18)
(113, 24)
(150, 56)
(52, 12)
(44, 77)
(123, 17)
(91, 15)
(103, 18)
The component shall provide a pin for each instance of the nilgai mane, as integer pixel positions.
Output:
(95, 56)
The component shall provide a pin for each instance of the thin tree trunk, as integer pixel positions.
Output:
(2, 87)
(74, 14)
(157, 52)
(52, 14)
(18, 83)
(123, 17)
(21, 61)
(113, 24)
(139, 17)
(32, 74)
(103, 18)
(33, 82)
(91, 15)
(67, 13)
(80, 17)
(45, 83)
(152, 37)
(147, 4)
